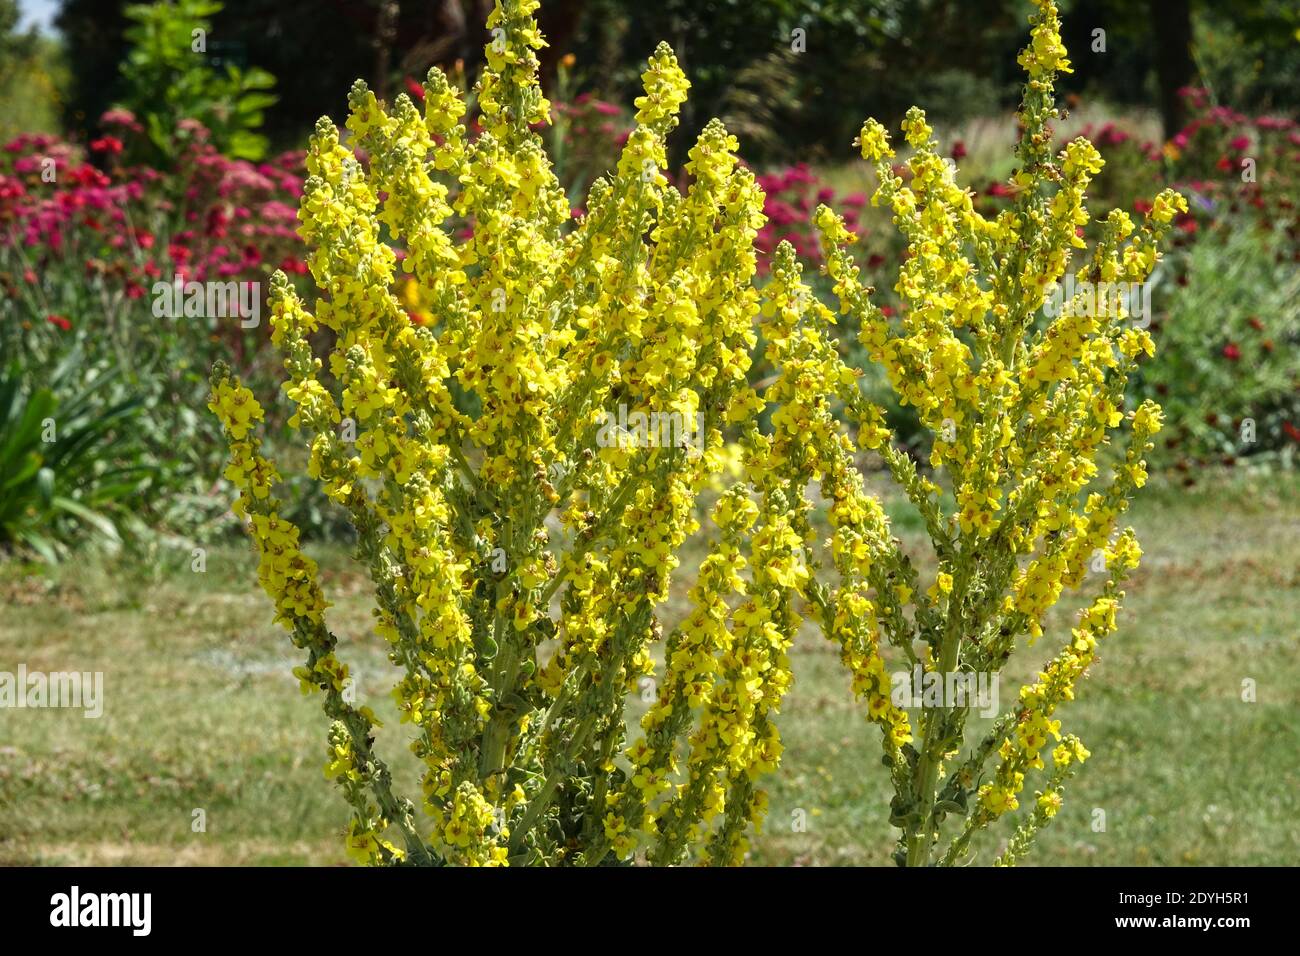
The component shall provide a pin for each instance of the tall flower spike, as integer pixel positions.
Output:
(521, 469)
(1021, 402)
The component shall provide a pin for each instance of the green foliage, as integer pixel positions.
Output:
(1228, 350)
(66, 466)
(31, 72)
(1246, 52)
(734, 50)
(168, 79)
(13, 45)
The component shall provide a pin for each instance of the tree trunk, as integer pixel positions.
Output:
(1171, 26)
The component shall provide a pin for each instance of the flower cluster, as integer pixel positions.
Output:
(792, 195)
(520, 551)
(77, 227)
(518, 560)
(1022, 406)
(210, 218)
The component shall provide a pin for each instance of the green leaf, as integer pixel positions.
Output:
(45, 485)
(93, 518)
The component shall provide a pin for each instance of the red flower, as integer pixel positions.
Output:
(1255, 323)
(958, 151)
(1230, 351)
(107, 144)
(1291, 430)
(415, 89)
(60, 321)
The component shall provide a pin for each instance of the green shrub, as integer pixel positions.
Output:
(1226, 356)
(168, 80)
(67, 467)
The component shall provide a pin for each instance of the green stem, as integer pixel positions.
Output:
(537, 806)
(919, 839)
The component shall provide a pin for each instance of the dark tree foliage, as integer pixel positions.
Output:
(314, 48)
(93, 36)
(856, 57)
(1244, 50)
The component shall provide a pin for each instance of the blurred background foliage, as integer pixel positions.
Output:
(860, 57)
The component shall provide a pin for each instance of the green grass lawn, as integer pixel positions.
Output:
(202, 713)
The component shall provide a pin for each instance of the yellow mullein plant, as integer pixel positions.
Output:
(1020, 405)
(519, 543)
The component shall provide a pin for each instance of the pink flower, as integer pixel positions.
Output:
(1274, 122)
(110, 145)
(121, 117)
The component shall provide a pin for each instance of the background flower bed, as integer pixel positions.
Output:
(79, 259)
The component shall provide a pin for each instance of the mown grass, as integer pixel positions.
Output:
(202, 712)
